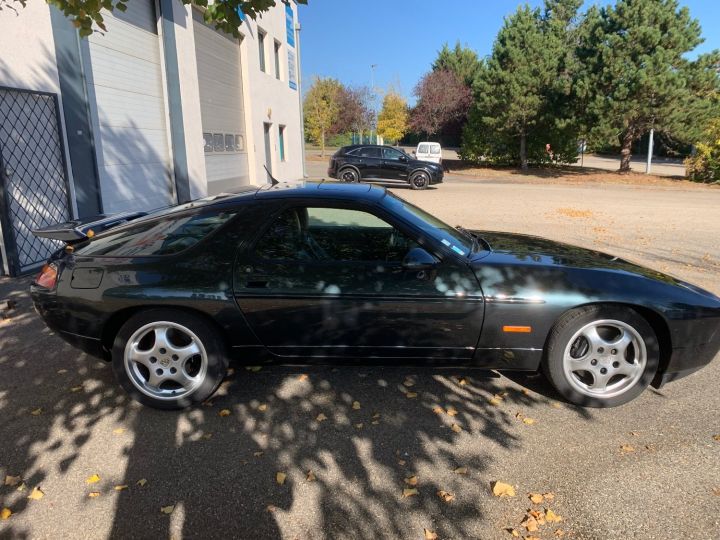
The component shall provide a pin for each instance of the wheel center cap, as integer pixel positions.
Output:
(164, 362)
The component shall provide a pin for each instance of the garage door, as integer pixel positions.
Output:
(125, 86)
(221, 107)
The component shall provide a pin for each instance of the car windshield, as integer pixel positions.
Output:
(451, 237)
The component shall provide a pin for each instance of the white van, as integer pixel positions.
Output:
(429, 151)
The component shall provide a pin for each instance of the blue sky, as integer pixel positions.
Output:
(342, 38)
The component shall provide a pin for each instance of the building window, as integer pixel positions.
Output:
(261, 49)
(208, 141)
(277, 60)
(281, 142)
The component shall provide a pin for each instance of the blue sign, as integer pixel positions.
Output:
(240, 13)
(290, 25)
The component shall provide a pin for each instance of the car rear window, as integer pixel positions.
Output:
(423, 149)
(161, 237)
(435, 148)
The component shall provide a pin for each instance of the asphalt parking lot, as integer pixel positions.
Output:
(109, 468)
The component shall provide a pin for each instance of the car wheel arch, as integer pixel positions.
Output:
(119, 318)
(656, 321)
(347, 166)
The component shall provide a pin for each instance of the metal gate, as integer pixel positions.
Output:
(33, 176)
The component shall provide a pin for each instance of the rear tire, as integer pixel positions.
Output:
(349, 174)
(169, 359)
(601, 356)
(419, 180)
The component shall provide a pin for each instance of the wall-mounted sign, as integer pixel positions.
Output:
(290, 25)
(292, 69)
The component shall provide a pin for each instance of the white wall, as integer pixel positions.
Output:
(271, 100)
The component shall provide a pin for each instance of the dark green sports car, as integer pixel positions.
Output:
(350, 273)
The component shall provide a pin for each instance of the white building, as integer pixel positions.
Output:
(160, 109)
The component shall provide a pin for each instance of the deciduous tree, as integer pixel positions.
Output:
(443, 101)
(322, 107)
(355, 112)
(393, 118)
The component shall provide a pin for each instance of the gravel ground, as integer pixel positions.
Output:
(645, 470)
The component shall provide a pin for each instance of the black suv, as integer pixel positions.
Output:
(385, 163)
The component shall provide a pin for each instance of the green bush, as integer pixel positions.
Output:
(704, 166)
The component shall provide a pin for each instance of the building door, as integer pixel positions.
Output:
(268, 151)
(33, 178)
(124, 73)
(221, 107)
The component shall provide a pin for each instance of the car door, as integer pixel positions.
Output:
(368, 160)
(329, 281)
(395, 164)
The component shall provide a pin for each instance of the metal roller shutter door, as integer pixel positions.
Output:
(126, 92)
(221, 107)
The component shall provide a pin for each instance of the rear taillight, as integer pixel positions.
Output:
(47, 277)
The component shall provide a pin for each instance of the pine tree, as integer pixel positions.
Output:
(635, 74)
(462, 61)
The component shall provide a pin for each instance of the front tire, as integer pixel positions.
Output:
(601, 356)
(169, 359)
(420, 180)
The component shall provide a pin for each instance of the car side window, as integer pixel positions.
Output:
(423, 149)
(370, 152)
(332, 234)
(391, 153)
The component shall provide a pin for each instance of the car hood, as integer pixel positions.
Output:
(528, 250)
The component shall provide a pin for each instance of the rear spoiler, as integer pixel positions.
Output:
(79, 230)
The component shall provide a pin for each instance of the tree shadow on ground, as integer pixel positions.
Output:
(345, 463)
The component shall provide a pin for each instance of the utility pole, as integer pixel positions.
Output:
(300, 97)
(648, 165)
(372, 94)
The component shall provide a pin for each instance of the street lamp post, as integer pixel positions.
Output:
(372, 94)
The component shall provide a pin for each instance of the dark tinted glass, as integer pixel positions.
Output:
(162, 237)
(391, 153)
(370, 152)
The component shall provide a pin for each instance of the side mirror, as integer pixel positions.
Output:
(403, 159)
(418, 259)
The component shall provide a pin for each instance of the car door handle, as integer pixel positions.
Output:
(258, 284)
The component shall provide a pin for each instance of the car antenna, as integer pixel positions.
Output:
(274, 181)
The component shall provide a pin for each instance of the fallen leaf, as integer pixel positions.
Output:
(411, 480)
(36, 412)
(5, 513)
(532, 538)
(626, 448)
(559, 533)
(76, 388)
(356, 405)
(513, 532)
(438, 410)
(321, 417)
(634, 433)
(536, 498)
(258, 454)
(503, 394)
(207, 403)
(119, 431)
(552, 517)
(538, 515)
(528, 421)
(141, 482)
(409, 492)
(121, 487)
(61, 371)
(549, 496)
(446, 495)
(401, 462)
(716, 491)
(359, 426)
(21, 487)
(310, 477)
(409, 383)
(456, 428)
(92, 479)
(452, 411)
(254, 369)
(375, 422)
(716, 437)
(230, 372)
(12, 480)
(556, 405)
(461, 470)
(280, 478)
(462, 381)
(530, 523)
(376, 415)
(494, 401)
(207, 436)
(430, 535)
(303, 377)
(94, 494)
(411, 395)
(501, 489)
(262, 407)
(167, 509)
(224, 412)
(36, 494)
(271, 508)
